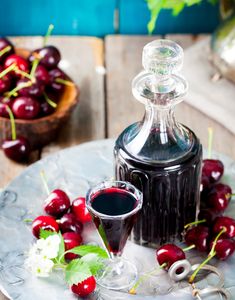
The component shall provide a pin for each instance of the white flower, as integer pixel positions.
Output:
(50, 246)
(39, 265)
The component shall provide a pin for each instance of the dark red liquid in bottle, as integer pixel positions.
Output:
(170, 192)
(113, 226)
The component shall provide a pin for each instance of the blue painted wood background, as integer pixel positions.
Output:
(96, 17)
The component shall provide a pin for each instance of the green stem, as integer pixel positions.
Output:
(194, 223)
(49, 31)
(34, 67)
(5, 50)
(7, 70)
(216, 240)
(189, 248)
(13, 126)
(24, 74)
(28, 220)
(144, 277)
(192, 277)
(19, 87)
(44, 181)
(63, 81)
(49, 101)
(210, 139)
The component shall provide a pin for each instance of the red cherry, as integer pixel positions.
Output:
(25, 107)
(55, 74)
(17, 150)
(49, 56)
(85, 287)
(57, 203)
(198, 236)
(219, 196)
(169, 254)
(213, 169)
(208, 215)
(36, 89)
(45, 109)
(19, 61)
(224, 248)
(70, 223)
(42, 74)
(5, 82)
(71, 240)
(44, 222)
(3, 104)
(225, 222)
(80, 210)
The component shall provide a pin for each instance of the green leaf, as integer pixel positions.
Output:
(213, 2)
(155, 8)
(61, 249)
(94, 262)
(178, 8)
(77, 271)
(46, 233)
(192, 2)
(87, 249)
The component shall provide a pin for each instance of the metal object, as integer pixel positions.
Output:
(184, 264)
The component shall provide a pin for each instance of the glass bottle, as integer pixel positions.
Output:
(158, 155)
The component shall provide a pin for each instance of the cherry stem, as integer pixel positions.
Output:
(49, 101)
(19, 87)
(211, 254)
(13, 125)
(34, 67)
(7, 70)
(210, 139)
(49, 31)
(5, 50)
(24, 74)
(144, 277)
(63, 81)
(44, 181)
(194, 223)
(189, 248)
(28, 220)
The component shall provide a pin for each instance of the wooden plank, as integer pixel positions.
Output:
(123, 62)
(83, 60)
(185, 40)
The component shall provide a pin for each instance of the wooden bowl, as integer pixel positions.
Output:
(42, 131)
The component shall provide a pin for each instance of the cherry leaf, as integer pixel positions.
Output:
(87, 249)
(46, 233)
(94, 262)
(77, 271)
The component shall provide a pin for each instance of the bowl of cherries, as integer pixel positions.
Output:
(39, 94)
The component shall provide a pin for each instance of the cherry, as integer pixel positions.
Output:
(44, 222)
(4, 102)
(208, 215)
(71, 240)
(227, 223)
(205, 183)
(57, 203)
(45, 108)
(219, 196)
(80, 210)
(49, 56)
(213, 169)
(25, 107)
(69, 223)
(42, 74)
(224, 248)
(4, 43)
(55, 74)
(20, 63)
(5, 82)
(36, 89)
(17, 150)
(169, 254)
(85, 287)
(198, 236)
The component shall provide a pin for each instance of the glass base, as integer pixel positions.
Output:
(117, 274)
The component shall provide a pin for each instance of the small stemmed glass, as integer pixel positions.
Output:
(114, 206)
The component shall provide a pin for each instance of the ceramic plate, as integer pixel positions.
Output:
(75, 170)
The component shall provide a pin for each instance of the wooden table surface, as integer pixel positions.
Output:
(104, 69)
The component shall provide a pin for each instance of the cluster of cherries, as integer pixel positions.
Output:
(29, 88)
(213, 233)
(68, 218)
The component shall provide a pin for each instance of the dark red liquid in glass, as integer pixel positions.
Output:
(170, 189)
(113, 226)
